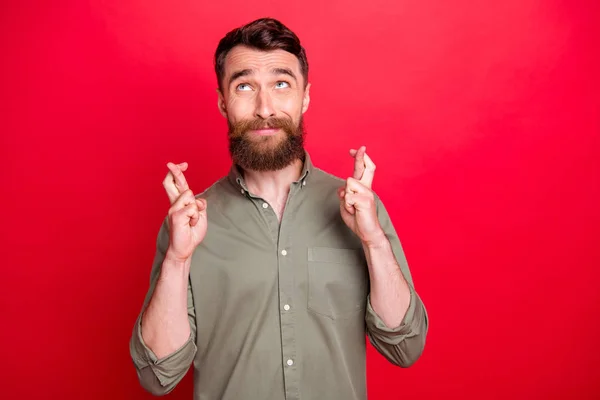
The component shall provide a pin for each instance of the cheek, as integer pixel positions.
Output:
(239, 108)
(290, 104)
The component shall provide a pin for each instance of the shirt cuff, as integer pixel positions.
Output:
(167, 368)
(399, 332)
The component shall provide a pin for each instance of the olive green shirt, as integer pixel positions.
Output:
(279, 310)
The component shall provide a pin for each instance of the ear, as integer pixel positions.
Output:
(306, 99)
(221, 103)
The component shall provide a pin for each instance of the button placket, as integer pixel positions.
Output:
(286, 299)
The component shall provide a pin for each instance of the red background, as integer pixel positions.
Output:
(482, 117)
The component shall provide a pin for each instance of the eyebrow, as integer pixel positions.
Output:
(274, 71)
(239, 74)
(283, 71)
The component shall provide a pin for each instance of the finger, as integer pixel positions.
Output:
(185, 198)
(187, 215)
(191, 212)
(344, 209)
(348, 203)
(179, 178)
(169, 183)
(170, 188)
(345, 204)
(358, 202)
(356, 186)
(359, 163)
(369, 172)
(202, 205)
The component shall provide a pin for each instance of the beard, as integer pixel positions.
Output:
(266, 153)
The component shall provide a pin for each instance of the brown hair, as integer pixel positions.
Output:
(262, 34)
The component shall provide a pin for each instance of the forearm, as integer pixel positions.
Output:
(396, 319)
(390, 293)
(165, 324)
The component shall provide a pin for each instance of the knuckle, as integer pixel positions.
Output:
(185, 197)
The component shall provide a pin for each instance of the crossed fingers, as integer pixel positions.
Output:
(364, 167)
(175, 182)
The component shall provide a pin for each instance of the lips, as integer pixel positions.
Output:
(265, 131)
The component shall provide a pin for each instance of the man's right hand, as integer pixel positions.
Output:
(187, 215)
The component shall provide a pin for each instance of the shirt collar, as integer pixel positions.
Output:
(237, 178)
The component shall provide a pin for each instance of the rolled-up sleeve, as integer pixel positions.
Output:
(160, 376)
(401, 345)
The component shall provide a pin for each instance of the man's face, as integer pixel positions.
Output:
(263, 99)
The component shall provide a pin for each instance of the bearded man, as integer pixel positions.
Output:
(269, 280)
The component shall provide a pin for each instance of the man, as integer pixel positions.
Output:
(269, 280)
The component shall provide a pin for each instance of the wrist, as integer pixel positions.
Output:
(173, 261)
(376, 241)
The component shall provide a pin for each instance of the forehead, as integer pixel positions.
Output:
(242, 57)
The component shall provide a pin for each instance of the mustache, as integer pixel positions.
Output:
(239, 128)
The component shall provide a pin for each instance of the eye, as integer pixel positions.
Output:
(243, 87)
(282, 84)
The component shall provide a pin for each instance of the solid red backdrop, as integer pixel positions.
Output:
(482, 117)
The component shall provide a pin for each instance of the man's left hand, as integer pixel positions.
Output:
(357, 200)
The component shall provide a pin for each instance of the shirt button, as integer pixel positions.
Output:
(286, 307)
(290, 362)
(265, 205)
(284, 252)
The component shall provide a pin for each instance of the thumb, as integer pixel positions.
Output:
(344, 206)
(202, 204)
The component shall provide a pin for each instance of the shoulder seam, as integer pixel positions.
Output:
(210, 187)
(329, 174)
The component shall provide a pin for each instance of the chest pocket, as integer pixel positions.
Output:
(337, 281)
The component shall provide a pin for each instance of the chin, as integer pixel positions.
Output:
(266, 140)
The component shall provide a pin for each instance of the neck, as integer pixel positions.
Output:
(273, 184)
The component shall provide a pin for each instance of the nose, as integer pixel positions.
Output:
(264, 105)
